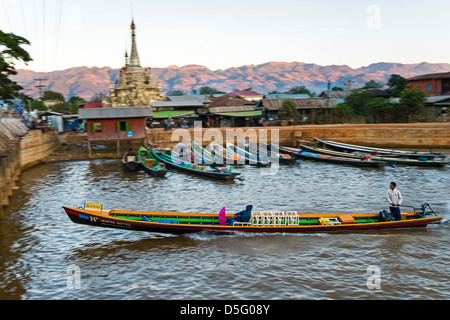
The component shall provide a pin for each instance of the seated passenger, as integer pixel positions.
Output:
(244, 215)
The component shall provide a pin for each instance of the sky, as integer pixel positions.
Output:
(233, 33)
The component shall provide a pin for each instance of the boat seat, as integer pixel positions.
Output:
(346, 218)
(239, 223)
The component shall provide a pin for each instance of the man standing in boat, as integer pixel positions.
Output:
(395, 200)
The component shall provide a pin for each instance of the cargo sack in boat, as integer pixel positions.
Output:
(384, 216)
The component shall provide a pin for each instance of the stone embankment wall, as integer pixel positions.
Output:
(10, 132)
(37, 146)
(20, 148)
(412, 135)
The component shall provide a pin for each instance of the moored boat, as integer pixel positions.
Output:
(229, 156)
(391, 160)
(272, 151)
(130, 162)
(340, 146)
(333, 159)
(211, 171)
(248, 157)
(150, 163)
(260, 221)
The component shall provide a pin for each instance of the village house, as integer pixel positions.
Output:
(184, 109)
(246, 94)
(308, 108)
(433, 84)
(234, 111)
(115, 124)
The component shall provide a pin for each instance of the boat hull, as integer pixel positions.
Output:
(156, 171)
(214, 175)
(339, 146)
(399, 161)
(330, 159)
(102, 219)
(131, 166)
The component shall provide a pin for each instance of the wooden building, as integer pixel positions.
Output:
(115, 124)
(434, 84)
(308, 108)
(234, 111)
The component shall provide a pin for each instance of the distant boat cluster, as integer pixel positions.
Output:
(218, 162)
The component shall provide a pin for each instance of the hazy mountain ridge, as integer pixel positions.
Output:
(281, 76)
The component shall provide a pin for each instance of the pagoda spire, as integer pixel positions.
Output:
(134, 57)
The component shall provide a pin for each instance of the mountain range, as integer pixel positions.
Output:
(86, 82)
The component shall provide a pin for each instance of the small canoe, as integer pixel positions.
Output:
(248, 157)
(360, 155)
(260, 221)
(220, 173)
(130, 162)
(272, 152)
(151, 164)
(332, 159)
(339, 146)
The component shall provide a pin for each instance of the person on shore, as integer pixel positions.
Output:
(395, 200)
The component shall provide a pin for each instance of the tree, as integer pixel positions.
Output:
(372, 85)
(52, 95)
(341, 113)
(288, 110)
(175, 93)
(209, 90)
(396, 84)
(38, 105)
(379, 110)
(300, 90)
(337, 89)
(411, 105)
(76, 100)
(348, 85)
(357, 99)
(11, 51)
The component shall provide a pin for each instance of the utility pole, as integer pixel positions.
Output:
(40, 86)
(328, 99)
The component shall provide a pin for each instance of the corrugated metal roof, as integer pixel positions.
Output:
(171, 114)
(190, 98)
(286, 96)
(112, 113)
(253, 113)
(310, 103)
(176, 104)
(441, 75)
(232, 109)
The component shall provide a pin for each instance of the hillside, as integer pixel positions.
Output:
(281, 76)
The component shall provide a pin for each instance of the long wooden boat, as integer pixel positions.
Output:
(130, 162)
(206, 157)
(393, 160)
(260, 221)
(339, 146)
(281, 157)
(229, 156)
(249, 158)
(332, 159)
(150, 163)
(207, 171)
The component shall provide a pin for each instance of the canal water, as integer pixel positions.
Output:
(46, 256)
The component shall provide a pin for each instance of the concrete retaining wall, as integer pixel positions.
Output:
(414, 135)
